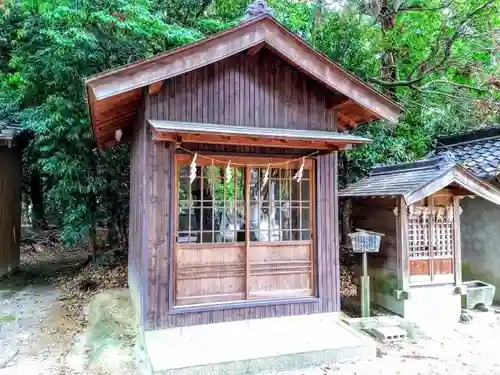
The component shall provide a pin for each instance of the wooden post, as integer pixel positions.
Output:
(365, 289)
(401, 212)
(457, 251)
(430, 204)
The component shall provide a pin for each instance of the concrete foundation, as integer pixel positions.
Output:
(433, 304)
(255, 346)
(424, 305)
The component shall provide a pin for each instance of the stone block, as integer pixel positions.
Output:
(388, 334)
(478, 293)
(401, 294)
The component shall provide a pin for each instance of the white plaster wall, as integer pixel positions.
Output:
(433, 305)
(480, 227)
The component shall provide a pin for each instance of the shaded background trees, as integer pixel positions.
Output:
(439, 58)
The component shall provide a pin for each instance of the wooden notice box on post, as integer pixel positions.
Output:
(364, 242)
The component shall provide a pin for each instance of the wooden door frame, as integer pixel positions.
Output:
(176, 160)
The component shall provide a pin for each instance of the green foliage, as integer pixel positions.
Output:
(52, 49)
(47, 48)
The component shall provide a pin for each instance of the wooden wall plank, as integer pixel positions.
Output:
(10, 208)
(235, 91)
(260, 91)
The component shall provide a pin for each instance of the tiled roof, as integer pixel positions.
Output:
(420, 179)
(478, 151)
(400, 179)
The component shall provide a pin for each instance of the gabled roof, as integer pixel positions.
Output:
(420, 179)
(123, 87)
(478, 151)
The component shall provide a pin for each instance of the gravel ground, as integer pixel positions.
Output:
(37, 339)
(462, 349)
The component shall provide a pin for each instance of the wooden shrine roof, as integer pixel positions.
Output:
(478, 151)
(249, 136)
(417, 180)
(114, 96)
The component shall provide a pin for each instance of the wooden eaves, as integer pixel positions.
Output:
(114, 96)
(182, 132)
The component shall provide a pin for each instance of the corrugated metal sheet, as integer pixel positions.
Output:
(298, 134)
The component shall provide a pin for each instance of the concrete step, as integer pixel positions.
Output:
(255, 346)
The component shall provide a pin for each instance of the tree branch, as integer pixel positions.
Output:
(455, 84)
(419, 8)
(448, 95)
(446, 54)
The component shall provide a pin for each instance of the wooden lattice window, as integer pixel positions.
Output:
(431, 244)
(418, 237)
(244, 237)
(443, 237)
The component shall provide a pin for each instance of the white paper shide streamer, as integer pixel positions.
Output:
(192, 169)
(266, 177)
(300, 172)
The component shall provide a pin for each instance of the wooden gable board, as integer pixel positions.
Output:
(461, 177)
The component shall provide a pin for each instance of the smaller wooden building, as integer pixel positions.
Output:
(417, 273)
(10, 200)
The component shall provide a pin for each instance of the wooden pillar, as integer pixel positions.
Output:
(457, 253)
(401, 212)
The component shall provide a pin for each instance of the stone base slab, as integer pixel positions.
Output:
(254, 346)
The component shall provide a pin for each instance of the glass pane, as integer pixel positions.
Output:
(194, 219)
(284, 190)
(305, 190)
(212, 208)
(295, 191)
(306, 235)
(305, 219)
(295, 219)
(183, 220)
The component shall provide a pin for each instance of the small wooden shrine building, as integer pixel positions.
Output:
(417, 272)
(234, 143)
(10, 199)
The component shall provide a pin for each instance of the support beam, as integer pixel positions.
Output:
(252, 51)
(155, 88)
(248, 141)
(346, 120)
(336, 100)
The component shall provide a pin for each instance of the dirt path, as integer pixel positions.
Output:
(27, 347)
(34, 334)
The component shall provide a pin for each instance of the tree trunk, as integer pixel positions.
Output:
(36, 196)
(387, 18)
(92, 228)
